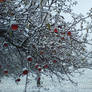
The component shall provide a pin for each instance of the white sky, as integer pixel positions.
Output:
(83, 6)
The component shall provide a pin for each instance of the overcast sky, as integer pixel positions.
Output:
(83, 6)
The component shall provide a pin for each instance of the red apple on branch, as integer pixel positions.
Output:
(25, 72)
(55, 30)
(69, 33)
(14, 27)
(5, 72)
(17, 80)
(29, 58)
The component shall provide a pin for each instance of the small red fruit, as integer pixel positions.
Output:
(14, 27)
(39, 69)
(5, 45)
(2, 1)
(60, 27)
(29, 59)
(17, 80)
(41, 52)
(20, 30)
(36, 66)
(45, 66)
(55, 30)
(69, 33)
(62, 38)
(39, 79)
(25, 72)
(6, 72)
(54, 61)
(0, 66)
(57, 35)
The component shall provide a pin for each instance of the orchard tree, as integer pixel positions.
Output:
(35, 38)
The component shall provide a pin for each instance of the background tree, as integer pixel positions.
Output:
(36, 38)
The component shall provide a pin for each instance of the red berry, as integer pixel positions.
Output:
(14, 27)
(39, 69)
(20, 30)
(45, 66)
(36, 66)
(41, 52)
(62, 38)
(39, 79)
(69, 33)
(0, 66)
(57, 35)
(6, 72)
(2, 1)
(55, 30)
(25, 72)
(29, 59)
(5, 45)
(17, 80)
(54, 61)
(60, 27)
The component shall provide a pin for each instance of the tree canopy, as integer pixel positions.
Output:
(36, 38)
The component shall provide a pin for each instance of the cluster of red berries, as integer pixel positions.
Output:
(68, 33)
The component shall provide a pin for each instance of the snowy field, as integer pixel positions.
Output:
(84, 85)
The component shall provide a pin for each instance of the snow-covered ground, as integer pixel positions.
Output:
(84, 84)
